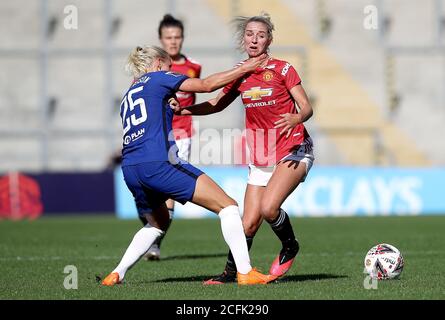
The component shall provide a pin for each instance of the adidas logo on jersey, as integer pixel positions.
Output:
(285, 69)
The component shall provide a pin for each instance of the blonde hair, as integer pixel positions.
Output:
(141, 59)
(240, 23)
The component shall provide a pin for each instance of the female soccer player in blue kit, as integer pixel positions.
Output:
(152, 169)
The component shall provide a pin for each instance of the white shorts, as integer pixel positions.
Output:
(184, 148)
(260, 176)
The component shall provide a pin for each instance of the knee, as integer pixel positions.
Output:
(251, 227)
(232, 202)
(269, 211)
(227, 202)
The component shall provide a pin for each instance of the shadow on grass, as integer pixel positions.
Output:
(291, 278)
(194, 256)
(310, 277)
(185, 279)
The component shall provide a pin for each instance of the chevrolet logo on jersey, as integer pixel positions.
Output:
(256, 93)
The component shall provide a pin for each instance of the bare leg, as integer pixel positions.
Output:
(159, 218)
(252, 218)
(210, 196)
(154, 253)
(170, 203)
(286, 177)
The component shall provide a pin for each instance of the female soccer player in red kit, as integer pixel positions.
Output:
(279, 145)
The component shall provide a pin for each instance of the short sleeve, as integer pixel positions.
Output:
(195, 65)
(198, 71)
(173, 80)
(290, 75)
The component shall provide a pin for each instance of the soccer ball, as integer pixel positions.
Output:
(384, 261)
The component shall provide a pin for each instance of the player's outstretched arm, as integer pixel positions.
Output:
(218, 80)
(215, 105)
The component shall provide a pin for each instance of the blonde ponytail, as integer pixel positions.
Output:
(141, 59)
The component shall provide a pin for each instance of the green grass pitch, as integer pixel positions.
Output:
(329, 265)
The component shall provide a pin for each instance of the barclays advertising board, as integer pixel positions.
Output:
(328, 191)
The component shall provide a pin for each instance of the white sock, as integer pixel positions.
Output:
(142, 241)
(233, 233)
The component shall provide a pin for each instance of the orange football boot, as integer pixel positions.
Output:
(255, 277)
(111, 279)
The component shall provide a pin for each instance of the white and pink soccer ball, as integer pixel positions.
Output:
(384, 261)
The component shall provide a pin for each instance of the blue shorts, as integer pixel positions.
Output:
(152, 183)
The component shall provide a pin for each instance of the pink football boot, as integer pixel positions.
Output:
(283, 262)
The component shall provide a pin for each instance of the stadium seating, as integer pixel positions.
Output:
(345, 77)
(361, 55)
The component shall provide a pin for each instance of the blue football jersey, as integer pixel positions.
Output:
(147, 118)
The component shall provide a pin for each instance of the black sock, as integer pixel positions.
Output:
(283, 229)
(230, 264)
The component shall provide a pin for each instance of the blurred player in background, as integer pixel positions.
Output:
(279, 165)
(171, 36)
(152, 169)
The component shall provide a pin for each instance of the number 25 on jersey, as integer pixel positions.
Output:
(131, 120)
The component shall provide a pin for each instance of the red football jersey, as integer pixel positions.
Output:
(265, 95)
(182, 125)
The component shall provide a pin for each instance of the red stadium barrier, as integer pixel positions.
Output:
(20, 197)
(31, 195)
